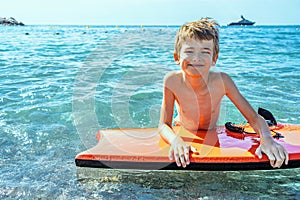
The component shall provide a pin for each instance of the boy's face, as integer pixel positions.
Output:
(196, 57)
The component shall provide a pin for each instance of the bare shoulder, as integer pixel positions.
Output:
(227, 81)
(221, 80)
(173, 77)
(219, 77)
(229, 85)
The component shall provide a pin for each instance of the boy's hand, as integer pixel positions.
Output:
(276, 153)
(180, 151)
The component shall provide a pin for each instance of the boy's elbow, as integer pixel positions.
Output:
(254, 118)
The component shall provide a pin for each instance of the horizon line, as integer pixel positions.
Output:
(147, 25)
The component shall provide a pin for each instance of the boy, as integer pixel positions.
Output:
(197, 92)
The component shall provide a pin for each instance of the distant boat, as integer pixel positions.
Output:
(243, 22)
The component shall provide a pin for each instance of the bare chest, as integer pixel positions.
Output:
(193, 103)
(199, 110)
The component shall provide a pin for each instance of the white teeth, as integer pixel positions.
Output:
(195, 65)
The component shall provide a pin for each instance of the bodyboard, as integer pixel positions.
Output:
(218, 149)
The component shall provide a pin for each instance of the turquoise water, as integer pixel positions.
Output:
(60, 84)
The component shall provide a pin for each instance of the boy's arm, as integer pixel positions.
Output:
(276, 153)
(166, 116)
(179, 150)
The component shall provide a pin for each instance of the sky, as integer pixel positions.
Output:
(150, 12)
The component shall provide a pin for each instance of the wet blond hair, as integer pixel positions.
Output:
(203, 29)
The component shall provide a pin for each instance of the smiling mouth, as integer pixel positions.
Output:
(195, 66)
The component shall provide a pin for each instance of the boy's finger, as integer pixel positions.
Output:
(171, 153)
(279, 160)
(182, 160)
(272, 159)
(193, 149)
(187, 155)
(182, 156)
(258, 152)
(177, 160)
(176, 157)
(282, 157)
(286, 157)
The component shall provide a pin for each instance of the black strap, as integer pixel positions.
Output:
(233, 128)
(267, 115)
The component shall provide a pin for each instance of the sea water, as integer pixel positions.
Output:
(60, 84)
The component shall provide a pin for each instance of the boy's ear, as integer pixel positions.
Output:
(215, 59)
(176, 58)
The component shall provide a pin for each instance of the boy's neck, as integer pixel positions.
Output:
(197, 83)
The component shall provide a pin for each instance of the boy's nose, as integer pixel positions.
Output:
(196, 59)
